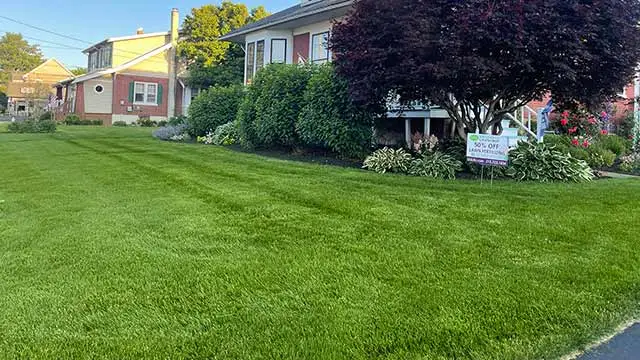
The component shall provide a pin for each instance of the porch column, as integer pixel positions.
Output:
(427, 126)
(407, 132)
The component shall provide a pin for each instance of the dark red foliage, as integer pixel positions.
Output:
(479, 51)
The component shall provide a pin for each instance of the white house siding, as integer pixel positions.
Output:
(98, 103)
(267, 36)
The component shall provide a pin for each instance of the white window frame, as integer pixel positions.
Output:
(327, 51)
(145, 93)
(284, 55)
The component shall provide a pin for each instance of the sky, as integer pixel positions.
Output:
(94, 21)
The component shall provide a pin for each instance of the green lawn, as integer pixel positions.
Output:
(115, 245)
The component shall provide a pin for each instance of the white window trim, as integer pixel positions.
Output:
(328, 51)
(284, 58)
(95, 89)
(145, 93)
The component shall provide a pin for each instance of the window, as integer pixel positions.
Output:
(259, 55)
(98, 89)
(279, 51)
(320, 48)
(93, 61)
(145, 93)
(105, 57)
(250, 62)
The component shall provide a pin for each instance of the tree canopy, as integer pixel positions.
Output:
(79, 71)
(482, 59)
(212, 62)
(16, 55)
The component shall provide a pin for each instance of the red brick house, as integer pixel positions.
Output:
(129, 77)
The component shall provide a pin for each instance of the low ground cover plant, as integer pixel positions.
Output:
(172, 133)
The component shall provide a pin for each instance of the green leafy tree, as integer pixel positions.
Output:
(16, 55)
(212, 62)
(79, 71)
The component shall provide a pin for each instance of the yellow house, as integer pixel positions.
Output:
(31, 90)
(129, 77)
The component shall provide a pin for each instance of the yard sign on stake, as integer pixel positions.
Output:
(490, 150)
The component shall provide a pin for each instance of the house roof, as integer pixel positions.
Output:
(124, 66)
(48, 61)
(121, 38)
(296, 12)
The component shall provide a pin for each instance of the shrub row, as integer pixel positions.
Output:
(32, 126)
(287, 106)
(75, 120)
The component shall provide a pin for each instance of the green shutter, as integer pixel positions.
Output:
(159, 94)
(131, 90)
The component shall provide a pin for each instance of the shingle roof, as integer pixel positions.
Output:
(295, 12)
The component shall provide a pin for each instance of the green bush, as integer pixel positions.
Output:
(176, 120)
(32, 126)
(280, 98)
(162, 123)
(119, 123)
(145, 121)
(600, 157)
(47, 115)
(455, 146)
(73, 119)
(544, 163)
(435, 165)
(212, 108)
(616, 144)
(625, 127)
(246, 117)
(226, 134)
(329, 118)
(388, 160)
(630, 163)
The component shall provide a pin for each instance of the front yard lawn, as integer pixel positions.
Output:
(115, 245)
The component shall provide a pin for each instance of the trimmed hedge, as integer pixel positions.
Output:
(302, 106)
(212, 108)
(280, 99)
(246, 117)
(329, 118)
(75, 120)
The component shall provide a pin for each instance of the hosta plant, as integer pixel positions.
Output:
(435, 165)
(388, 160)
(542, 162)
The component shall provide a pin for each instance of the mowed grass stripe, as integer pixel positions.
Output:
(163, 250)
